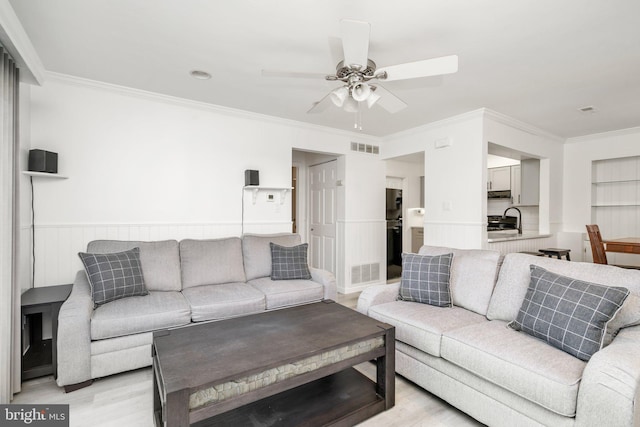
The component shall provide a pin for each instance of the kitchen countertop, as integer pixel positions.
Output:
(505, 236)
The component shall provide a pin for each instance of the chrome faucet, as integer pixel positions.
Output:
(504, 215)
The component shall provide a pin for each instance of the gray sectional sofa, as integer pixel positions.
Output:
(188, 281)
(467, 355)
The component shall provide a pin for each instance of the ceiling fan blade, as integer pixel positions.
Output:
(424, 68)
(389, 101)
(293, 74)
(355, 42)
(335, 50)
(320, 106)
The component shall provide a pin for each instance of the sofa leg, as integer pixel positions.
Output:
(73, 387)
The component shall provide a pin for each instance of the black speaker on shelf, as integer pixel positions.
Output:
(251, 177)
(43, 161)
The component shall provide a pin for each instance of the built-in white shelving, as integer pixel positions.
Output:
(615, 197)
(45, 175)
(255, 189)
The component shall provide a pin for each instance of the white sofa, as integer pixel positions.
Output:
(467, 355)
(188, 281)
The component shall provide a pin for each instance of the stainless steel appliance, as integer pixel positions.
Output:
(500, 222)
(394, 233)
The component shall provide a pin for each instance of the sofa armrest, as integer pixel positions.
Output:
(609, 392)
(327, 279)
(377, 294)
(74, 334)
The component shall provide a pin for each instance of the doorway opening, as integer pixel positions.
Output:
(405, 201)
(315, 205)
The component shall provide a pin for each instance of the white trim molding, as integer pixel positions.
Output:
(17, 42)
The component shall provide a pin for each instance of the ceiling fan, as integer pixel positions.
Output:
(358, 72)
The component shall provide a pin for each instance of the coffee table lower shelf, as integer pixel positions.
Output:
(342, 399)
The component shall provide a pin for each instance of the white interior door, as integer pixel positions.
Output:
(322, 185)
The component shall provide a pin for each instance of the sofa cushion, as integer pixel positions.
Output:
(211, 262)
(517, 362)
(257, 253)
(473, 275)
(515, 275)
(425, 279)
(215, 302)
(133, 315)
(569, 314)
(289, 263)
(422, 325)
(160, 260)
(114, 276)
(284, 293)
(628, 315)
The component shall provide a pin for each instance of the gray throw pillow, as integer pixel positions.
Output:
(425, 279)
(567, 313)
(288, 263)
(114, 276)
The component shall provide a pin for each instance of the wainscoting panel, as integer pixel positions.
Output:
(57, 246)
(367, 246)
(527, 245)
(461, 235)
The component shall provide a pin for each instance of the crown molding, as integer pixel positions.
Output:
(520, 125)
(475, 114)
(609, 134)
(183, 102)
(17, 42)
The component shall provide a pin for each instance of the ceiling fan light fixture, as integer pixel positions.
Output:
(351, 105)
(360, 91)
(339, 96)
(372, 99)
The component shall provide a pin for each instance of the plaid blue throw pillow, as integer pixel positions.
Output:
(114, 276)
(425, 279)
(567, 313)
(288, 263)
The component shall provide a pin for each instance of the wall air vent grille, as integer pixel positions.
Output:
(365, 148)
(365, 273)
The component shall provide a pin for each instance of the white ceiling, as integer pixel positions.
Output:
(534, 60)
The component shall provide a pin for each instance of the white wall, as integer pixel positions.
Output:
(578, 157)
(455, 174)
(526, 139)
(363, 219)
(454, 177)
(146, 166)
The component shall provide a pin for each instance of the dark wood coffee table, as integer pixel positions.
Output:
(286, 367)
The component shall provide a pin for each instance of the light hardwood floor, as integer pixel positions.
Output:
(125, 400)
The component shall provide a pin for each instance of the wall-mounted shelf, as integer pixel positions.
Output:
(255, 189)
(45, 175)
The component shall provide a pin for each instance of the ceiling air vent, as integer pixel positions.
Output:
(365, 148)
(589, 109)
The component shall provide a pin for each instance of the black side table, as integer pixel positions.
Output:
(40, 359)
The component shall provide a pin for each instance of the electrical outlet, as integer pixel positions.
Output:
(271, 198)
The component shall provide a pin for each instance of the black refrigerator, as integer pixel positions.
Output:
(394, 233)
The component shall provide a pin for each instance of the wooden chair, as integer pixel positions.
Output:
(597, 247)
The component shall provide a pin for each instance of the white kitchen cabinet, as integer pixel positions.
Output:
(530, 182)
(499, 179)
(525, 183)
(516, 185)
